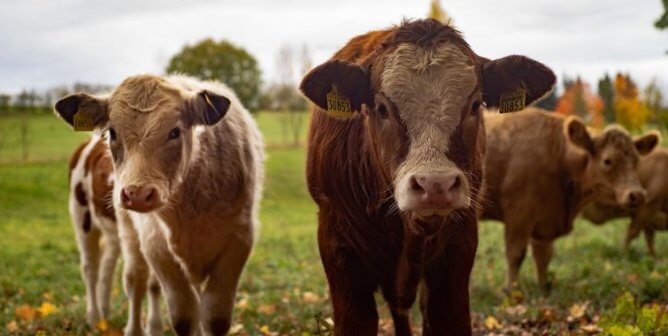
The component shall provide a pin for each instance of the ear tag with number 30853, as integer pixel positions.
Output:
(338, 106)
(512, 101)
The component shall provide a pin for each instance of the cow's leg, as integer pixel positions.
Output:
(350, 288)
(444, 298)
(181, 297)
(107, 269)
(88, 239)
(154, 319)
(516, 249)
(634, 230)
(135, 274)
(649, 239)
(220, 293)
(542, 254)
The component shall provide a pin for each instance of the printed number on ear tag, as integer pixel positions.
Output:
(338, 106)
(83, 122)
(512, 101)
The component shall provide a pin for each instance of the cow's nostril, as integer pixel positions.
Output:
(415, 185)
(457, 184)
(150, 197)
(633, 198)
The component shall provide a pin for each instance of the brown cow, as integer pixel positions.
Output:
(650, 216)
(542, 169)
(395, 164)
(95, 220)
(188, 160)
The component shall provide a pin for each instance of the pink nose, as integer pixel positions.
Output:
(436, 191)
(140, 198)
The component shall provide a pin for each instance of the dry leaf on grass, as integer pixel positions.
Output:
(266, 309)
(47, 309)
(102, 325)
(491, 323)
(25, 312)
(12, 326)
(310, 297)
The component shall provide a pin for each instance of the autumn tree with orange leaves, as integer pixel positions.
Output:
(578, 99)
(630, 110)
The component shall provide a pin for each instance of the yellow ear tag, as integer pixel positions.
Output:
(83, 122)
(512, 101)
(338, 106)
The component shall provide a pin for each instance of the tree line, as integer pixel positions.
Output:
(617, 99)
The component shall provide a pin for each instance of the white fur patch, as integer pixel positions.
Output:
(429, 86)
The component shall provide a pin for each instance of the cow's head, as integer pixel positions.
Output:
(151, 127)
(421, 91)
(607, 163)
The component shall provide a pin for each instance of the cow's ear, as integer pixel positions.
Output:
(350, 80)
(512, 73)
(92, 109)
(647, 142)
(207, 108)
(576, 132)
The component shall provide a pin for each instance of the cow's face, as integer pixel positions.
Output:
(610, 165)
(420, 92)
(152, 130)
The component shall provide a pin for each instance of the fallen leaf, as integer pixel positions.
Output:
(102, 325)
(25, 312)
(492, 323)
(547, 314)
(47, 309)
(577, 311)
(265, 331)
(242, 304)
(236, 328)
(310, 297)
(266, 309)
(12, 326)
(591, 329)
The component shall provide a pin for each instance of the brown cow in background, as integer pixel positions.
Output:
(395, 157)
(541, 169)
(650, 216)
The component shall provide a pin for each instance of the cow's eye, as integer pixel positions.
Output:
(381, 109)
(112, 134)
(607, 162)
(174, 133)
(475, 107)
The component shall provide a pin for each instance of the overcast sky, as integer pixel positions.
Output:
(47, 43)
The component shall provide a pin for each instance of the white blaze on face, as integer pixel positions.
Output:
(430, 87)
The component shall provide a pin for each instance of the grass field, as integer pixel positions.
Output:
(283, 288)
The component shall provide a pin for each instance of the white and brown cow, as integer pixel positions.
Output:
(98, 228)
(188, 159)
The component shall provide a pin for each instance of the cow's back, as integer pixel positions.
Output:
(524, 165)
(91, 185)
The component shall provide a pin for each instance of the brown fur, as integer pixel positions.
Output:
(541, 170)
(365, 242)
(653, 214)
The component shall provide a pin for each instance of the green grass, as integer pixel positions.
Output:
(283, 286)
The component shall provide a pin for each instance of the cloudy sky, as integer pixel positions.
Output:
(47, 43)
